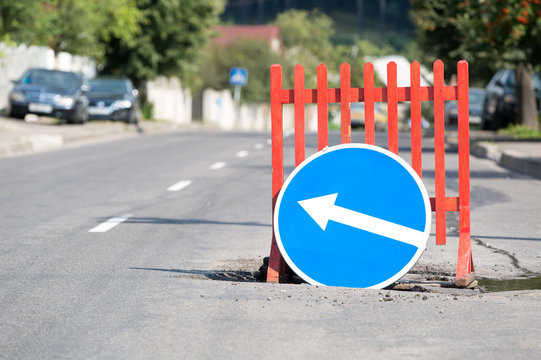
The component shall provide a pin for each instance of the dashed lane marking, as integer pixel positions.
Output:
(218, 165)
(258, 146)
(242, 154)
(109, 224)
(180, 185)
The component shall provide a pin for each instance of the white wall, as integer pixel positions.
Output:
(15, 60)
(171, 102)
(219, 109)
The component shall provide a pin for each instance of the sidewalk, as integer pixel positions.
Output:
(522, 156)
(19, 137)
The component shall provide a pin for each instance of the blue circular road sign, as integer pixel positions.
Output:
(352, 215)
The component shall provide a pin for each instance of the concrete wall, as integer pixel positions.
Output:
(171, 102)
(15, 60)
(219, 109)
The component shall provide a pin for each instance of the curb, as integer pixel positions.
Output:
(509, 159)
(33, 143)
(518, 162)
(19, 138)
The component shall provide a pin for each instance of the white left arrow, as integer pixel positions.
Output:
(322, 209)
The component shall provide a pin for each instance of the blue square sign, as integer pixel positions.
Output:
(238, 76)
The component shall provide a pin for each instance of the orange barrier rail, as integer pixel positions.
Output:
(439, 93)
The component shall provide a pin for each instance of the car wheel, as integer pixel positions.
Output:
(17, 116)
(14, 115)
(496, 122)
(485, 123)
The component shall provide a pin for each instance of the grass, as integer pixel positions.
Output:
(333, 126)
(521, 132)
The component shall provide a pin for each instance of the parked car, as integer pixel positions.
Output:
(476, 101)
(501, 101)
(49, 93)
(113, 99)
(357, 115)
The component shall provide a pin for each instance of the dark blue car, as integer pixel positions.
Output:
(49, 93)
(113, 99)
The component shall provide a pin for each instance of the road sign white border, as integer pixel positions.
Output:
(327, 150)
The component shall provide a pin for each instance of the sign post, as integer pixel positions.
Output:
(238, 77)
(352, 215)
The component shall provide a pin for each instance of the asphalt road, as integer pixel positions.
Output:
(144, 248)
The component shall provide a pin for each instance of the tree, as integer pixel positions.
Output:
(80, 27)
(311, 30)
(489, 34)
(513, 28)
(16, 19)
(254, 55)
(169, 41)
(306, 36)
(307, 39)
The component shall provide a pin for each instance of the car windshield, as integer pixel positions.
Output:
(58, 79)
(107, 86)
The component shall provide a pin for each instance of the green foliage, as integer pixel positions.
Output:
(437, 28)
(16, 19)
(307, 37)
(488, 34)
(310, 29)
(256, 56)
(521, 132)
(141, 39)
(147, 109)
(77, 26)
(449, 30)
(171, 35)
(307, 41)
(513, 28)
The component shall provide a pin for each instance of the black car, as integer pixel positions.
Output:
(49, 93)
(113, 99)
(476, 101)
(501, 101)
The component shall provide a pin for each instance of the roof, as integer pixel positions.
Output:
(268, 33)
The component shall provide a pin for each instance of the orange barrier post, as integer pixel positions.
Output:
(278, 270)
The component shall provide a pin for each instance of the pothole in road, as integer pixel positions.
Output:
(235, 270)
(419, 279)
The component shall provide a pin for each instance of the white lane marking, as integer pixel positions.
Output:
(180, 185)
(242, 154)
(322, 210)
(269, 141)
(218, 165)
(109, 224)
(258, 146)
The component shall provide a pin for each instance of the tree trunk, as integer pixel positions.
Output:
(526, 100)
